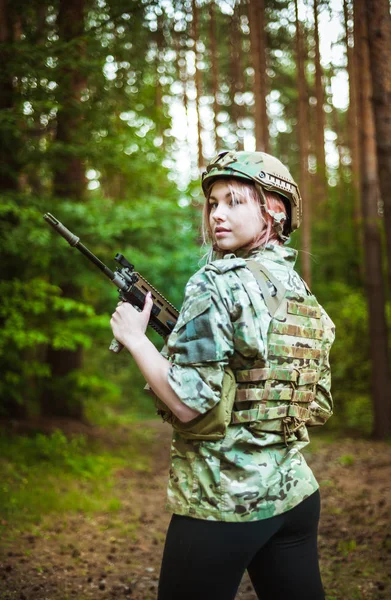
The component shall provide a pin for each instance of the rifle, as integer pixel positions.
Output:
(132, 287)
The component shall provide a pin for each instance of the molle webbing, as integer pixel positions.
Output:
(293, 308)
(274, 374)
(279, 393)
(268, 393)
(263, 413)
(278, 350)
(294, 375)
(296, 330)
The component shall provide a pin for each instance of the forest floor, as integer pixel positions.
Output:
(113, 554)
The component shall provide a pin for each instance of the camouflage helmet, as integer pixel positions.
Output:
(267, 172)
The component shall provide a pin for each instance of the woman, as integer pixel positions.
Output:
(241, 492)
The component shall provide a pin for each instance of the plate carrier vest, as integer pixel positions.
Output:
(276, 397)
(273, 397)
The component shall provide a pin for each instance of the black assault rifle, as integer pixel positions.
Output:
(132, 287)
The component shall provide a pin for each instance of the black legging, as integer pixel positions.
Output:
(205, 560)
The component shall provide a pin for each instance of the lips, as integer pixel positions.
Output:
(222, 230)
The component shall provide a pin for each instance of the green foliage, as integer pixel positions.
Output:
(46, 474)
(346, 460)
(37, 313)
(100, 103)
(345, 547)
(349, 356)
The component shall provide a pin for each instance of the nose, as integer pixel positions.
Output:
(219, 213)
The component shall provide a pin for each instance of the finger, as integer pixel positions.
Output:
(148, 303)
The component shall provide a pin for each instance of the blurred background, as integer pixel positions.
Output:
(109, 111)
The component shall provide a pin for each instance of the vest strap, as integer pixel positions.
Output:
(262, 275)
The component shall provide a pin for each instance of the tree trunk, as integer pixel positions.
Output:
(372, 239)
(10, 166)
(180, 49)
(69, 172)
(236, 74)
(159, 38)
(258, 56)
(198, 85)
(321, 176)
(353, 126)
(59, 396)
(303, 148)
(10, 141)
(379, 38)
(214, 69)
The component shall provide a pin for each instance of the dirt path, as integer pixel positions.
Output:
(113, 556)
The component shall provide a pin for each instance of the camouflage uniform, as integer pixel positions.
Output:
(250, 474)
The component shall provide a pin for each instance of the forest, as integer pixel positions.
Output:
(110, 111)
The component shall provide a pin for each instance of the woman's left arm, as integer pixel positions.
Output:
(129, 328)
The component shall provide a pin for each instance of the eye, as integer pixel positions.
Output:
(213, 205)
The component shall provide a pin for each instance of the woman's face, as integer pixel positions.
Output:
(234, 222)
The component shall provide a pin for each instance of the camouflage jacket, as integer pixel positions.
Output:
(245, 476)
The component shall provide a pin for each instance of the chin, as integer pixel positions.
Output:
(225, 248)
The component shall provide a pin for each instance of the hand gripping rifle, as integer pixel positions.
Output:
(132, 287)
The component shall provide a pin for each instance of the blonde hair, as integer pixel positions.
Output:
(248, 192)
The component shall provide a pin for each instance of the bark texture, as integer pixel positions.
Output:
(10, 167)
(236, 72)
(381, 393)
(353, 125)
(321, 179)
(69, 173)
(198, 84)
(68, 182)
(9, 139)
(256, 13)
(302, 116)
(214, 69)
(379, 39)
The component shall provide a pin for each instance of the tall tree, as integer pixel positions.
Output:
(321, 178)
(159, 45)
(303, 146)
(68, 182)
(69, 171)
(236, 72)
(381, 392)
(214, 69)
(198, 82)
(10, 138)
(10, 145)
(379, 38)
(257, 23)
(353, 124)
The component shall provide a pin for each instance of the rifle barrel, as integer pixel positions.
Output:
(74, 241)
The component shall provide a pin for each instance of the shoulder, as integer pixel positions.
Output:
(213, 270)
(215, 278)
